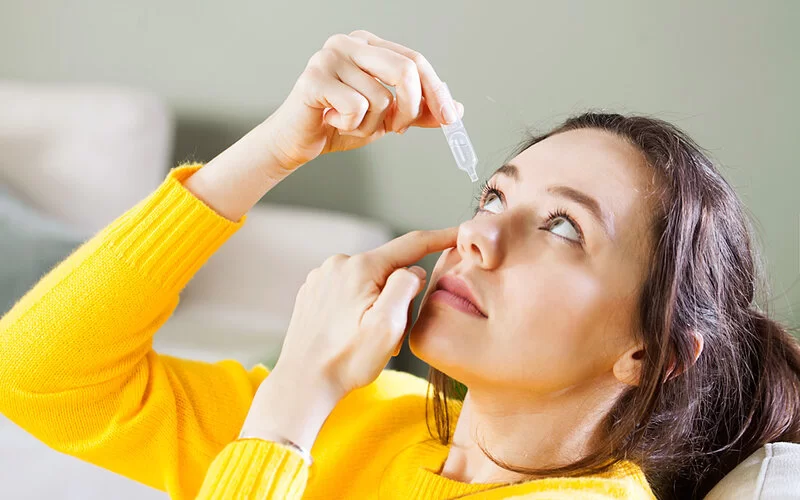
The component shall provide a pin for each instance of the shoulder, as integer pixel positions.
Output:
(391, 386)
(397, 394)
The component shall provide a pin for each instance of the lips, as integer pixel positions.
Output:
(461, 292)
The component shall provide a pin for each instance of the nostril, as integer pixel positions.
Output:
(475, 249)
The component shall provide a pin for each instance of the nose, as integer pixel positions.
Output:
(480, 242)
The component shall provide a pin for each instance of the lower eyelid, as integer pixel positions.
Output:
(567, 240)
(548, 228)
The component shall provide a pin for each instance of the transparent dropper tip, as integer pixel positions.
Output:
(461, 146)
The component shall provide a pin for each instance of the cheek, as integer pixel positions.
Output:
(556, 321)
(558, 297)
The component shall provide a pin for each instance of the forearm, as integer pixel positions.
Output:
(235, 180)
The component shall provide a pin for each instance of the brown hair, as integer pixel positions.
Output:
(688, 431)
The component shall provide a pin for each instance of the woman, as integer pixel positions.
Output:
(598, 307)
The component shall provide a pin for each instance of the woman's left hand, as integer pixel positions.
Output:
(351, 313)
(350, 316)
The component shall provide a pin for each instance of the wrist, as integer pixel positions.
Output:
(236, 179)
(293, 406)
(276, 165)
(272, 136)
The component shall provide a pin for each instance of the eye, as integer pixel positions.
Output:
(492, 203)
(564, 226)
(491, 199)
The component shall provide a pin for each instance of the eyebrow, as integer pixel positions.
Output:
(508, 170)
(588, 202)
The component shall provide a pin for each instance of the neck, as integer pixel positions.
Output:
(525, 430)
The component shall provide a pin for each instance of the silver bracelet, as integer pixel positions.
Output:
(304, 454)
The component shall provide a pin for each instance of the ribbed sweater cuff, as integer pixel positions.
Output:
(253, 468)
(170, 234)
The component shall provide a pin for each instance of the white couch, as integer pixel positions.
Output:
(86, 154)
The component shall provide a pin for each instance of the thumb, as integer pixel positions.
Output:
(395, 299)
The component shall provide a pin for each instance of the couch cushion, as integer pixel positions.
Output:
(30, 245)
(771, 473)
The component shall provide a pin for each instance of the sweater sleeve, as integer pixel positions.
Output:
(77, 367)
(251, 469)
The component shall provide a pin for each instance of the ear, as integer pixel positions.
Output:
(698, 348)
(628, 368)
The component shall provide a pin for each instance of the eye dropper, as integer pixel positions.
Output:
(460, 146)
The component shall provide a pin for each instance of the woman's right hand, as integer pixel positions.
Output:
(339, 102)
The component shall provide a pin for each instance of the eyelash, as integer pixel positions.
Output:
(490, 188)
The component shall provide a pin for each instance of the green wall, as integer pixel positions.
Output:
(726, 71)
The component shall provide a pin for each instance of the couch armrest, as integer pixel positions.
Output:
(82, 154)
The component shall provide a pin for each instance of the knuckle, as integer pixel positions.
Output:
(384, 100)
(402, 275)
(418, 58)
(323, 58)
(361, 106)
(361, 33)
(357, 107)
(335, 40)
(312, 274)
(309, 80)
(315, 59)
(335, 259)
(409, 70)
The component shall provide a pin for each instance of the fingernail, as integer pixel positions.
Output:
(402, 130)
(449, 112)
(420, 272)
(460, 109)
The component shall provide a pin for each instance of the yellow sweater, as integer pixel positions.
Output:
(77, 370)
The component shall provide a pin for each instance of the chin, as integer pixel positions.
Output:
(438, 338)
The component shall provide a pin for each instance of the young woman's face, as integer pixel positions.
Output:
(554, 259)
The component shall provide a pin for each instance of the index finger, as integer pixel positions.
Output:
(436, 93)
(411, 247)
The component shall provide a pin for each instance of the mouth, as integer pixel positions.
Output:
(456, 293)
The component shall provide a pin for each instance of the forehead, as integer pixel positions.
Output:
(584, 157)
(597, 162)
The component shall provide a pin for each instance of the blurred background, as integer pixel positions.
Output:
(98, 99)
